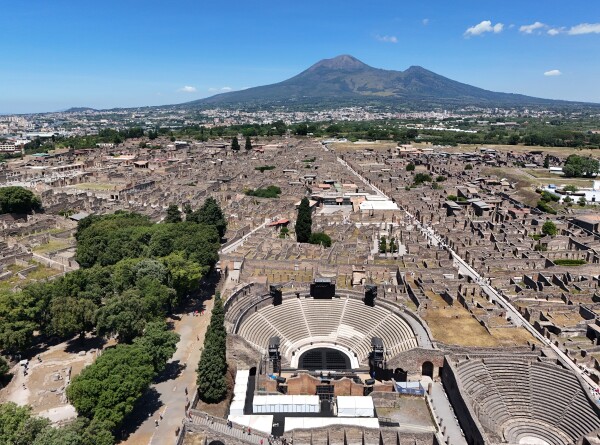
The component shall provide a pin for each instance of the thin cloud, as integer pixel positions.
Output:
(387, 39)
(555, 31)
(552, 73)
(222, 89)
(530, 29)
(483, 27)
(187, 89)
(584, 28)
(425, 22)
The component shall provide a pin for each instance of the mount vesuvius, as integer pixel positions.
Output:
(345, 80)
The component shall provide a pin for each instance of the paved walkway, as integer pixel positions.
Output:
(171, 392)
(445, 416)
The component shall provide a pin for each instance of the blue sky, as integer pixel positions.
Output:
(57, 54)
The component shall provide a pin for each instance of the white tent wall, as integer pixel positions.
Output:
(292, 423)
(355, 406)
(286, 404)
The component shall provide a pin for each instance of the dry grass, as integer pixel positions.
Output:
(455, 326)
(52, 246)
(341, 147)
(557, 151)
(512, 336)
(96, 186)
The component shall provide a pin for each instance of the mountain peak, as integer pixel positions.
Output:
(343, 62)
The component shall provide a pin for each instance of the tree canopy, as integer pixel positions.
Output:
(107, 390)
(320, 238)
(210, 214)
(549, 228)
(173, 214)
(18, 200)
(304, 222)
(212, 367)
(581, 166)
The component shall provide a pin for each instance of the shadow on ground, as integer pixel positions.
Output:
(171, 372)
(147, 406)
(76, 344)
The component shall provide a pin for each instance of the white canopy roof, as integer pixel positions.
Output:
(355, 406)
(292, 423)
(263, 424)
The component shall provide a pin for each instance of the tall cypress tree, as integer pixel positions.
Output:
(303, 222)
(248, 143)
(235, 145)
(213, 361)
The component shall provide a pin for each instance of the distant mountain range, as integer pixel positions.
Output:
(345, 80)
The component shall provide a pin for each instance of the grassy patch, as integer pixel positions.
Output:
(52, 246)
(567, 262)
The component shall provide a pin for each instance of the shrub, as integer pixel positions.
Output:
(541, 205)
(568, 262)
(262, 168)
(549, 228)
(410, 167)
(320, 238)
(271, 191)
(469, 167)
(452, 198)
(420, 178)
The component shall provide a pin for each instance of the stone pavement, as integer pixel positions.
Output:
(172, 396)
(445, 416)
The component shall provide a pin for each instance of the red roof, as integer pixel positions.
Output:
(279, 222)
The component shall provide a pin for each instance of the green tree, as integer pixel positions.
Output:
(235, 145)
(581, 201)
(410, 167)
(4, 370)
(382, 245)
(304, 222)
(581, 166)
(420, 178)
(71, 315)
(469, 167)
(320, 238)
(173, 214)
(17, 426)
(18, 200)
(123, 315)
(392, 245)
(212, 367)
(211, 214)
(248, 145)
(570, 188)
(547, 161)
(183, 275)
(549, 228)
(107, 390)
(159, 343)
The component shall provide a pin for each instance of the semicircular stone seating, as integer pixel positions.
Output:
(516, 399)
(345, 322)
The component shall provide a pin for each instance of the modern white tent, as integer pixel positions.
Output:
(355, 406)
(292, 423)
(258, 423)
(236, 408)
(286, 404)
